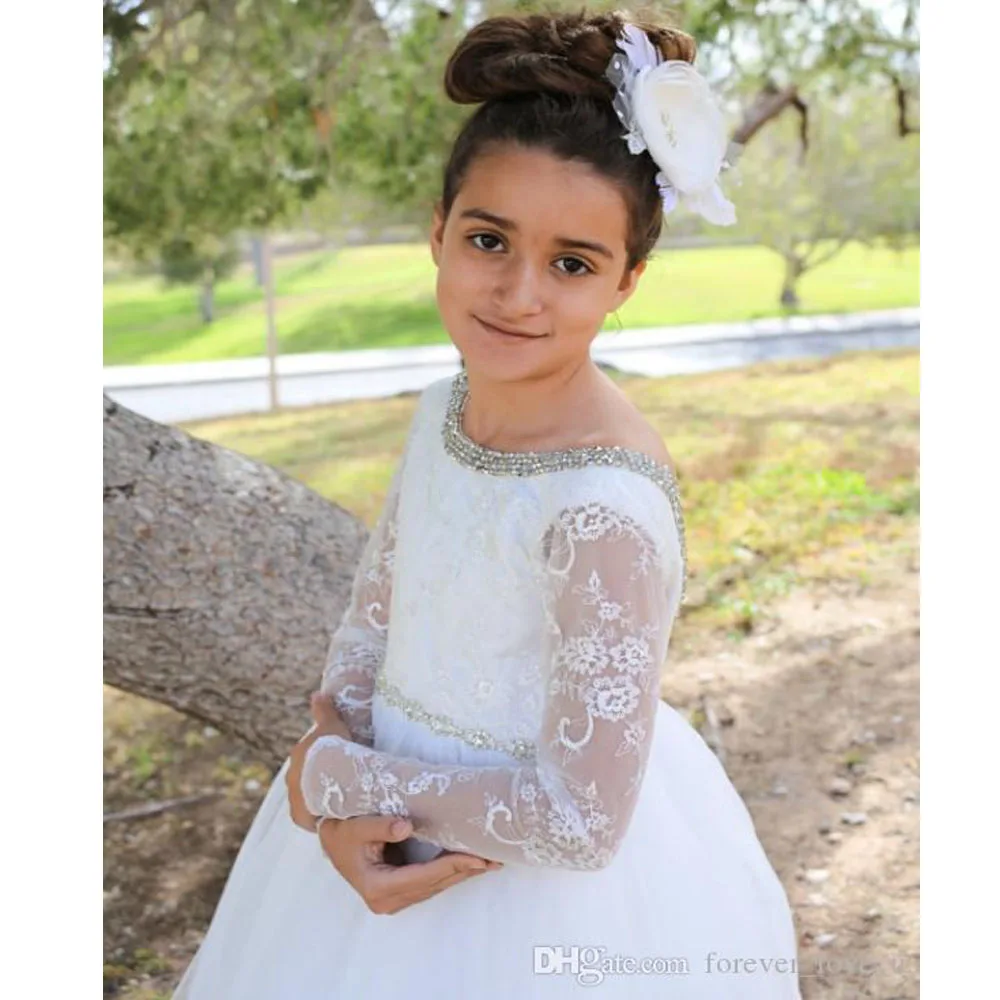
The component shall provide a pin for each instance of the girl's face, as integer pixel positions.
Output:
(530, 260)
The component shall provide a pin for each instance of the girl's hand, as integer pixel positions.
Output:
(358, 849)
(328, 722)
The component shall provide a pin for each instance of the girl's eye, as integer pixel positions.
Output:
(489, 247)
(582, 268)
(491, 243)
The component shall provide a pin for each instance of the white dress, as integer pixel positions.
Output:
(499, 667)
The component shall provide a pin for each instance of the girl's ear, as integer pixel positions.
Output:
(628, 284)
(437, 233)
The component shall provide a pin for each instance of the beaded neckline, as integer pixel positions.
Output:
(530, 463)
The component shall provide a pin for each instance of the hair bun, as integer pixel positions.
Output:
(561, 54)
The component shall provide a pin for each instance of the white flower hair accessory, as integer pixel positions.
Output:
(668, 108)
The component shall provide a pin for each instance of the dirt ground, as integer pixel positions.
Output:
(815, 715)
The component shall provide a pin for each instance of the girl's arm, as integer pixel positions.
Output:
(609, 604)
(357, 647)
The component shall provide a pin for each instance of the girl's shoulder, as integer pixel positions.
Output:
(634, 433)
(625, 426)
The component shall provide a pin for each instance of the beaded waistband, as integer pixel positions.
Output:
(443, 726)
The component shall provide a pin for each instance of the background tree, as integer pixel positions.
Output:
(856, 182)
(183, 263)
(217, 118)
(776, 55)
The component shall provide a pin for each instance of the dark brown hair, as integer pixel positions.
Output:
(539, 80)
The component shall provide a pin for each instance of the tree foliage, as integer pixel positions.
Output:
(228, 115)
(217, 115)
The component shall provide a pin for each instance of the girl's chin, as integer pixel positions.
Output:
(480, 340)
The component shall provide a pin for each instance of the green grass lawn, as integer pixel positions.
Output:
(383, 296)
(789, 471)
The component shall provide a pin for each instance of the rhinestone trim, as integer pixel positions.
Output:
(443, 726)
(530, 463)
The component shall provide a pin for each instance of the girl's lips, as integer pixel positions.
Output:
(505, 333)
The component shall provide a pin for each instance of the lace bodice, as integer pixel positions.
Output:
(520, 606)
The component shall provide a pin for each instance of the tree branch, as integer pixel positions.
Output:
(902, 99)
(841, 243)
(156, 808)
(767, 105)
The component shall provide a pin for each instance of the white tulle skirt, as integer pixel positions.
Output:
(689, 907)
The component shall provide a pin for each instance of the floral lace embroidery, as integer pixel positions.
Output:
(608, 612)
(358, 646)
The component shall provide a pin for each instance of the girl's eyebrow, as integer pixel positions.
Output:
(510, 226)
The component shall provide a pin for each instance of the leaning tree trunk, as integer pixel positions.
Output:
(223, 580)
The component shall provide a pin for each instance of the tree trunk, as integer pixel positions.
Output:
(206, 298)
(793, 271)
(223, 581)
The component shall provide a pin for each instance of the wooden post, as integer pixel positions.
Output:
(272, 333)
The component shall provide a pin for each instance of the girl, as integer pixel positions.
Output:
(495, 679)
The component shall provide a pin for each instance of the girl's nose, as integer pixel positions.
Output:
(519, 289)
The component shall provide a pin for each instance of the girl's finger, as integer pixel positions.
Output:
(452, 880)
(323, 711)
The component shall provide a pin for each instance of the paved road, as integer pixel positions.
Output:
(175, 393)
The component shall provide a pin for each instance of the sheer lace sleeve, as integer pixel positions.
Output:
(609, 604)
(357, 647)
